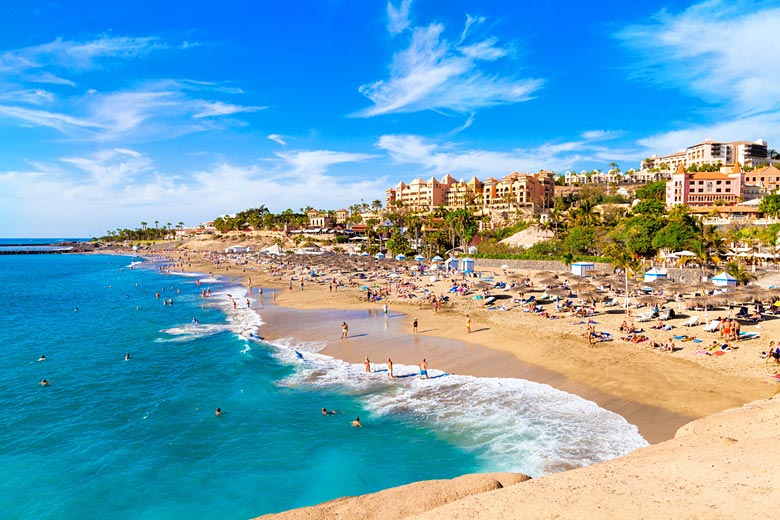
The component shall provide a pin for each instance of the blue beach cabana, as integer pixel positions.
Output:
(379, 256)
(467, 265)
(452, 263)
(419, 258)
(400, 257)
(724, 279)
(437, 258)
(582, 268)
(654, 274)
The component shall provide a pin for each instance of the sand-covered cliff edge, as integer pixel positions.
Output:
(726, 465)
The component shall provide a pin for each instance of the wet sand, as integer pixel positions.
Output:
(378, 338)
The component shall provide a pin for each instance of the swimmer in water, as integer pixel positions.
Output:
(127, 357)
(44, 382)
(42, 358)
(356, 423)
(325, 411)
(218, 412)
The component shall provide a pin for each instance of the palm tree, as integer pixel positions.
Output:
(740, 273)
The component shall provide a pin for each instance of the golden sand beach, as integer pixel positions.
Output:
(656, 390)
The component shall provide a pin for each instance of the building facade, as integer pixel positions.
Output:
(516, 190)
(704, 188)
(709, 152)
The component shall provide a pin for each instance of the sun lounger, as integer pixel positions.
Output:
(749, 335)
(611, 303)
(712, 326)
(690, 322)
(647, 316)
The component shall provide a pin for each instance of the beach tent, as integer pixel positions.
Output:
(273, 250)
(400, 257)
(467, 265)
(582, 268)
(452, 263)
(364, 254)
(437, 258)
(654, 274)
(724, 279)
(419, 258)
(379, 256)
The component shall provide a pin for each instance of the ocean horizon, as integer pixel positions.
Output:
(139, 438)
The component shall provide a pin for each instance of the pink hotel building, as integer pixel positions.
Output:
(705, 188)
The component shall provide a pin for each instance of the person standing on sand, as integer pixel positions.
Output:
(468, 324)
(344, 330)
(367, 364)
(384, 309)
(390, 368)
(414, 326)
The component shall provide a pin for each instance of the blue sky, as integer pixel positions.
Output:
(114, 114)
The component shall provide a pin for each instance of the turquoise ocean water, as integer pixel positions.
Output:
(110, 438)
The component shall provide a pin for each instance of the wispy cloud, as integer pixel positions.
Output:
(277, 139)
(434, 158)
(37, 62)
(134, 115)
(218, 108)
(433, 73)
(398, 18)
(717, 50)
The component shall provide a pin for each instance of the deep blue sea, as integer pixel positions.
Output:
(138, 438)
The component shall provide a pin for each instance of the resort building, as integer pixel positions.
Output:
(426, 196)
(705, 188)
(519, 190)
(319, 219)
(342, 216)
(513, 192)
(709, 152)
(767, 178)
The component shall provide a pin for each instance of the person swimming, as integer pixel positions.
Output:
(218, 412)
(356, 423)
(325, 411)
(127, 357)
(42, 358)
(44, 382)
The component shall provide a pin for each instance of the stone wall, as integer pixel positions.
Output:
(556, 266)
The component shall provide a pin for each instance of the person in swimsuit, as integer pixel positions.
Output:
(367, 364)
(390, 368)
(424, 369)
(344, 329)
(356, 423)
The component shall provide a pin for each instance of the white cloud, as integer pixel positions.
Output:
(435, 74)
(218, 108)
(33, 62)
(277, 139)
(133, 115)
(718, 50)
(119, 187)
(398, 18)
(762, 126)
(437, 158)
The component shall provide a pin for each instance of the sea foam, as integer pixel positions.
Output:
(509, 424)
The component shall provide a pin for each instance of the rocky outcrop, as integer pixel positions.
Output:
(404, 501)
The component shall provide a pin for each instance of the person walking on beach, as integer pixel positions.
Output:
(468, 324)
(384, 309)
(414, 326)
(367, 365)
(344, 329)
(390, 368)
(424, 369)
